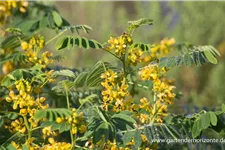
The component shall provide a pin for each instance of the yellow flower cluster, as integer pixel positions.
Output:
(35, 43)
(56, 145)
(32, 49)
(162, 91)
(47, 132)
(119, 44)
(29, 143)
(115, 91)
(134, 56)
(17, 126)
(7, 67)
(76, 120)
(17, 146)
(104, 145)
(157, 110)
(160, 50)
(25, 102)
(151, 72)
(7, 7)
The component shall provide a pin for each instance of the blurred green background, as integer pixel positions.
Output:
(199, 23)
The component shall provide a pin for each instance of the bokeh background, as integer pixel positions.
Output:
(199, 23)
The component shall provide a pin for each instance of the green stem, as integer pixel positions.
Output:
(68, 106)
(33, 129)
(44, 83)
(170, 132)
(67, 98)
(132, 32)
(124, 65)
(29, 131)
(111, 53)
(72, 140)
(152, 120)
(56, 36)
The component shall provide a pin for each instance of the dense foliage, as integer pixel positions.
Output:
(107, 106)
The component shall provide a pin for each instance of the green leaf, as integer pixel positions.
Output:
(122, 124)
(187, 60)
(62, 42)
(102, 114)
(89, 99)
(28, 26)
(205, 120)
(197, 55)
(171, 62)
(143, 21)
(195, 131)
(52, 113)
(148, 134)
(63, 85)
(10, 147)
(93, 79)
(61, 127)
(14, 30)
(57, 18)
(127, 137)
(213, 118)
(12, 42)
(223, 107)
(12, 115)
(220, 125)
(85, 43)
(64, 73)
(43, 22)
(1, 121)
(16, 57)
(102, 130)
(25, 147)
(85, 28)
(210, 57)
(137, 138)
(81, 42)
(16, 75)
(80, 80)
(123, 117)
(142, 46)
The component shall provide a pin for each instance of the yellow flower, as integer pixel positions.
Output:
(24, 45)
(7, 7)
(144, 118)
(32, 49)
(51, 140)
(119, 44)
(7, 67)
(56, 145)
(59, 120)
(17, 126)
(17, 146)
(82, 128)
(150, 72)
(74, 130)
(134, 55)
(23, 112)
(160, 50)
(145, 104)
(115, 91)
